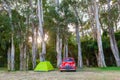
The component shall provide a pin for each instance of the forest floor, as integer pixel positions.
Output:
(57, 75)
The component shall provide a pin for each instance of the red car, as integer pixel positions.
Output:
(68, 64)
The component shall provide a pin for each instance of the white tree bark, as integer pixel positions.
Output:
(91, 12)
(8, 9)
(80, 62)
(34, 37)
(40, 17)
(12, 55)
(113, 42)
(33, 47)
(59, 55)
(58, 40)
(23, 59)
(21, 56)
(9, 59)
(66, 50)
(101, 62)
(65, 54)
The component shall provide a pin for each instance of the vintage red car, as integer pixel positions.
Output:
(68, 64)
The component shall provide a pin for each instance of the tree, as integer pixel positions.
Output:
(58, 39)
(113, 42)
(77, 23)
(11, 53)
(101, 61)
(34, 34)
(42, 35)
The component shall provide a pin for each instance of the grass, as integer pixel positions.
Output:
(84, 69)
(108, 73)
(101, 69)
(3, 69)
(110, 68)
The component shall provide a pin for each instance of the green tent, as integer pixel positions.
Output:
(44, 66)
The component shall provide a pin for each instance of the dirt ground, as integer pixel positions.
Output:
(56, 75)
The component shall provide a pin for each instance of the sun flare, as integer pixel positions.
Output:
(39, 39)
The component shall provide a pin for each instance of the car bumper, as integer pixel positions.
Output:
(67, 69)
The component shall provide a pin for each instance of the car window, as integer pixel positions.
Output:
(68, 60)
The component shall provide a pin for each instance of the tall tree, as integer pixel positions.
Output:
(101, 60)
(42, 35)
(34, 37)
(12, 53)
(77, 23)
(58, 39)
(113, 42)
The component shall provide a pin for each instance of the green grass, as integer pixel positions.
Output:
(110, 68)
(3, 69)
(101, 69)
(84, 69)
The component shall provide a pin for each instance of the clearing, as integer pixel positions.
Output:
(56, 75)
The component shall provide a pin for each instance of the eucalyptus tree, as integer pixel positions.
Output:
(5, 35)
(32, 16)
(77, 21)
(21, 31)
(42, 35)
(66, 18)
(58, 38)
(109, 18)
(11, 52)
(113, 42)
(101, 60)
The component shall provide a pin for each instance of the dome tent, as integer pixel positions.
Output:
(44, 66)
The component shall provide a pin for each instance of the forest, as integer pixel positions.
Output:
(32, 31)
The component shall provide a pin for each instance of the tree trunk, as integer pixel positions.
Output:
(25, 58)
(80, 63)
(114, 47)
(33, 46)
(28, 58)
(59, 50)
(33, 36)
(65, 49)
(58, 40)
(87, 62)
(12, 40)
(101, 62)
(12, 54)
(8, 58)
(21, 56)
(64, 53)
(40, 16)
(113, 42)
(92, 21)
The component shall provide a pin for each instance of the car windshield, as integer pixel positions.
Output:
(68, 60)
